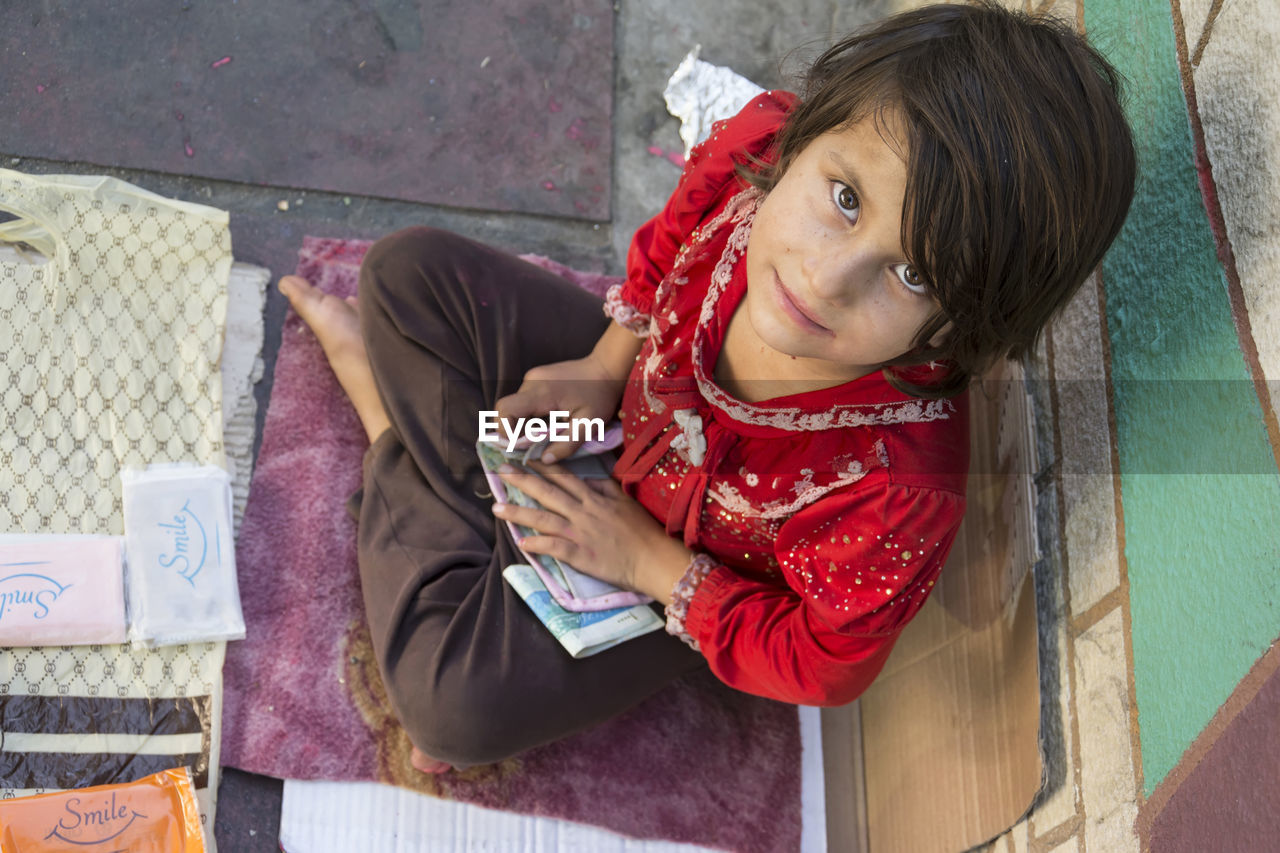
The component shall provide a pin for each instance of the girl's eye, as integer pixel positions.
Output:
(911, 278)
(846, 200)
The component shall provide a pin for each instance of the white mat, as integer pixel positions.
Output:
(355, 817)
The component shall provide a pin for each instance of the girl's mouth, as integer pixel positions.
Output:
(794, 309)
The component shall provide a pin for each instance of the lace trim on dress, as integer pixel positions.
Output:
(624, 313)
(682, 593)
(840, 415)
(805, 490)
(739, 209)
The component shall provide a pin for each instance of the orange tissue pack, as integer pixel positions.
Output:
(156, 814)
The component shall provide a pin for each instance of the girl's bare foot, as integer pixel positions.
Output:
(425, 763)
(337, 326)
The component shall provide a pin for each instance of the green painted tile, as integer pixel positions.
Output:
(1199, 486)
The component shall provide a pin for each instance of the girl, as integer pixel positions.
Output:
(788, 357)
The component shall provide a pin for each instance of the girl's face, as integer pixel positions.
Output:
(827, 280)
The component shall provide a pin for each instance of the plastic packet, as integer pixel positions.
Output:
(700, 94)
(181, 578)
(156, 814)
(61, 590)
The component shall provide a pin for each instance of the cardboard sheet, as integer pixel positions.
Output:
(942, 752)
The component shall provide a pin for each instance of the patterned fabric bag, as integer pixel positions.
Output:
(110, 359)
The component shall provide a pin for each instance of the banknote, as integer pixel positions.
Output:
(585, 633)
(573, 590)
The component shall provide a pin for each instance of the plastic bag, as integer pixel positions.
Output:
(114, 338)
(156, 814)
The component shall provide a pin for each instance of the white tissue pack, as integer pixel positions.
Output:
(181, 555)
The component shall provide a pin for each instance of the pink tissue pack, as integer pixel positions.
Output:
(61, 590)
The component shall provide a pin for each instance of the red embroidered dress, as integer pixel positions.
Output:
(829, 512)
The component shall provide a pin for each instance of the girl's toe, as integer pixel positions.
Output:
(292, 283)
(304, 298)
(426, 764)
(293, 287)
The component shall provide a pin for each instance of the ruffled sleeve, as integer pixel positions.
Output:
(859, 565)
(709, 178)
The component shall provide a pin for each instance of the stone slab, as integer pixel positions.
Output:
(1071, 845)
(1237, 81)
(248, 812)
(1057, 801)
(1106, 765)
(421, 100)
(1088, 491)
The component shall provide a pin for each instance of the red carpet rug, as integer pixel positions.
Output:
(697, 763)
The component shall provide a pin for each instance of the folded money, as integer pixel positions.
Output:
(571, 589)
(581, 633)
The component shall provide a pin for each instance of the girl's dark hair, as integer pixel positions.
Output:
(1020, 167)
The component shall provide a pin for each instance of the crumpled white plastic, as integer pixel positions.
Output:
(700, 94)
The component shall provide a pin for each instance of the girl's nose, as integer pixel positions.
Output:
(834, 276)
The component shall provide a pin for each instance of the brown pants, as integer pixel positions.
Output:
(451, 326)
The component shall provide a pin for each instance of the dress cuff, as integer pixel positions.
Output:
(683, 592)
(624, 313)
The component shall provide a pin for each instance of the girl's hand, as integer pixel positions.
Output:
(583, 387)
(594, 526)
